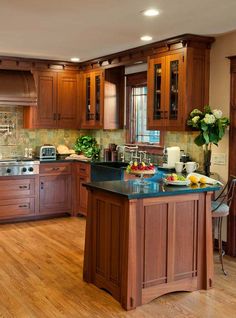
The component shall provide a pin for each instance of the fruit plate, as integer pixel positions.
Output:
(142, 172)
(177, 182)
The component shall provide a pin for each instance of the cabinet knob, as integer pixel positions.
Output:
(59, 116)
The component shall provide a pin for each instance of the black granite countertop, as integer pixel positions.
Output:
(133, 190)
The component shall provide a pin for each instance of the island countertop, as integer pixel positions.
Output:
(131, 189)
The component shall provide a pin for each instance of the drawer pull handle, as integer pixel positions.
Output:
(82, 169)
(41, 185)
(23, 187)
(24, 206)
(55, 168)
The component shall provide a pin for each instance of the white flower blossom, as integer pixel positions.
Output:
(195, 119)
(217, 113)
(195, 112)
(209, 119)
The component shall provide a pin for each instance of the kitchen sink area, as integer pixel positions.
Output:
(105, 171)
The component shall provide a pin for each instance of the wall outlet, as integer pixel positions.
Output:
(219, 159)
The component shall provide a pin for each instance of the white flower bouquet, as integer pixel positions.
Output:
(211, 125)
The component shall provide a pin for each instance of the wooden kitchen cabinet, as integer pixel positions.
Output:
(55, 194)
(18, 197)
(92, 99)
(58, 105)
(82, 176)
(103, 99)
(178, 82)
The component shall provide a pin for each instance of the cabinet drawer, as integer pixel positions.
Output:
(54, 168)
(17, 207)
(17, 188)
(83, 169)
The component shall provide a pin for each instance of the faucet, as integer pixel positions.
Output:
(131, 149)
(142, 155)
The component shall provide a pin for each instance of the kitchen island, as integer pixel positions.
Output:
(143, 241)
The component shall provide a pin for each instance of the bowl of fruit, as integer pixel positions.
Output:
(175, 179)
(141, 169)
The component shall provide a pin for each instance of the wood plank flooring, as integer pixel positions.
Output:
(41, 276)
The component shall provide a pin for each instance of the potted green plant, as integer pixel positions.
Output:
(88, 146)
(211, 124)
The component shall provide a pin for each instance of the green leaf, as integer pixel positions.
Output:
(213, 137)
(204, 126)
(206, 137)
(199, 140)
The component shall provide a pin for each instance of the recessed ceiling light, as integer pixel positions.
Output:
(75, 59)
(150, 12)
(146, 38)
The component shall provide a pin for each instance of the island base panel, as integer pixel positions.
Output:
(141, 249)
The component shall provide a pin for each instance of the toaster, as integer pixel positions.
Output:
(46, 152)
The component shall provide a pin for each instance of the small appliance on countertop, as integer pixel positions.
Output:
(170, 157)
(46, 152)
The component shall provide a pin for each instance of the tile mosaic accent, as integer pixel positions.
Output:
(14, 144)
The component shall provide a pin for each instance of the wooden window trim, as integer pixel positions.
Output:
(136, 80)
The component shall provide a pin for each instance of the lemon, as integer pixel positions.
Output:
(202, 180)
(194, 179)
(193, 186)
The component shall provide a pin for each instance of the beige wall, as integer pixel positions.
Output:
(224, 46)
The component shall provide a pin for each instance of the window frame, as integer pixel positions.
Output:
(133, 81)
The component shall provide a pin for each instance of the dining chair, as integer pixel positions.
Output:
(220, 208)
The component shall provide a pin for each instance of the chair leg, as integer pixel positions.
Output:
(220, 244)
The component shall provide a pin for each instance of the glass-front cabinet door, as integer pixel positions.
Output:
(174, 90)
(156, 93)
(165, 91)
(93, 95)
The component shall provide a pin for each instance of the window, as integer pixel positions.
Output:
(137, 112)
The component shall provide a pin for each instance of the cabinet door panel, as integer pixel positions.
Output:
(174, 109)
(67, 111)
(83, 194)
(93, 100)
(55, 194)
(170, 249)
(44, 115)
(156, 93)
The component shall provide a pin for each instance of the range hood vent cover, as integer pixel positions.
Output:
(17, 88)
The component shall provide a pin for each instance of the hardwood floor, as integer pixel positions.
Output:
(41, 276)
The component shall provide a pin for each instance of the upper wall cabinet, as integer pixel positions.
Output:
(57, 101)
(103, 99)
(178, 82)
(92, 99)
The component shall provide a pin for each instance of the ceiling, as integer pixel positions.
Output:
(61, 29)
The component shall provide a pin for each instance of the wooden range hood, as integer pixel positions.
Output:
(17, 88)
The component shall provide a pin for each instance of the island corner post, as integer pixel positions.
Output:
(139, 249)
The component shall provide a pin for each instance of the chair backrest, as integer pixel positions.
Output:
(227, 194)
